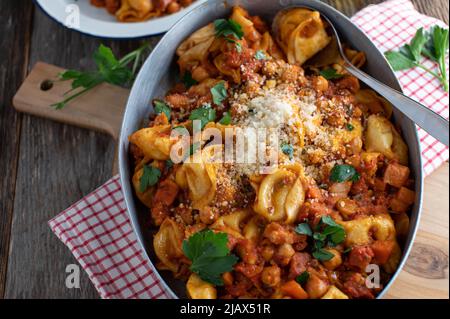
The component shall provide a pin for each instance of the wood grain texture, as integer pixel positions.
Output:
(426, 272)
(48, 166)
(100, 109)
(13, 64)
(58, 164)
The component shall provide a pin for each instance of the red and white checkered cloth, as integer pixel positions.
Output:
(98, 231)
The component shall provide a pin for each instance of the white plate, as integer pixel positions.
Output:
(99, 23)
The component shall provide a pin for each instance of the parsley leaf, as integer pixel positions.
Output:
(210, 255)
(399, 61)
(330, 74)
(322, 255)
(327, 233)
(205, 114)
(433, 44)
(344, 173)
(417, 44)
(188, 80)
(225, 28)
(304, 229)
(149, 178)
(226, 119)
(161, 107)
(303, 278)
(230, 30)
(350, 127)
(169, 164)
(109, 70)
(260, 55)
(288, 150)
(219, 93)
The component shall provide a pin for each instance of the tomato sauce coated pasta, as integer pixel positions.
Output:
(141, 10)
(335, 205)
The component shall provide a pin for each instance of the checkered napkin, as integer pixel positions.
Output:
(98, 231)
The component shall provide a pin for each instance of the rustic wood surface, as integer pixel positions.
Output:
(47, 166)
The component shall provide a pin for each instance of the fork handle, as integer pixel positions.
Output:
(433, 123)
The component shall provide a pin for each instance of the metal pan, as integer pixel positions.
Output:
(158, 74)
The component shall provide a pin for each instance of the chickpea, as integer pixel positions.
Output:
(267, 252)
(173, 7)
(207, 216)
(347, 207)
(227, 279)
(141, 5)
(320, 83)
(334, 262)
(270, 276)
(284, 254)
(316, 287)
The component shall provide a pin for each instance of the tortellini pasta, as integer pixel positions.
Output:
(381, 136)
(334, 293)
(280, 196)
(135, 10)
(231, 224)
(199, 289)
(193, 52)
(147, 196)
(198, 175)
(167, 244)
(155, 142)
(301, 34)
(375, 103)
(359, 231)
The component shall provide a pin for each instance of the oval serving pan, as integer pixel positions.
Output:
(158, 75)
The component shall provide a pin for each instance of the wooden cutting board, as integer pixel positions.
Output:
(426, 273)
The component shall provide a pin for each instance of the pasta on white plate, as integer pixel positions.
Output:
(141, 10)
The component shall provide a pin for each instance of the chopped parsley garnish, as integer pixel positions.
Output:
(187, 80)
(350, 127)
(149, 178)
(205, 114)
(161, 107)
(433, 44)
(169, 164)
(226, 119)
(210, 256)
(230, 30)
(303, 278)
(288, 150)
(225, 28)
(344, 173)
(304, 229)
(330, 74)
(327, 233)
(260, 55)
(322, 254)
(219, 93)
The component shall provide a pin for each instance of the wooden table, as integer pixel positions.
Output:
(46, 166)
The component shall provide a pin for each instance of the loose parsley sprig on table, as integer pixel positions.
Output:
(109, 70)
(210, 256)
(433, 44)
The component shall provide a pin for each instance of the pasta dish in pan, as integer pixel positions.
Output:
(141, 10)
(320, 210)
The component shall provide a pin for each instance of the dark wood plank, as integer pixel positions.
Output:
(13, 63)
(58, 165)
